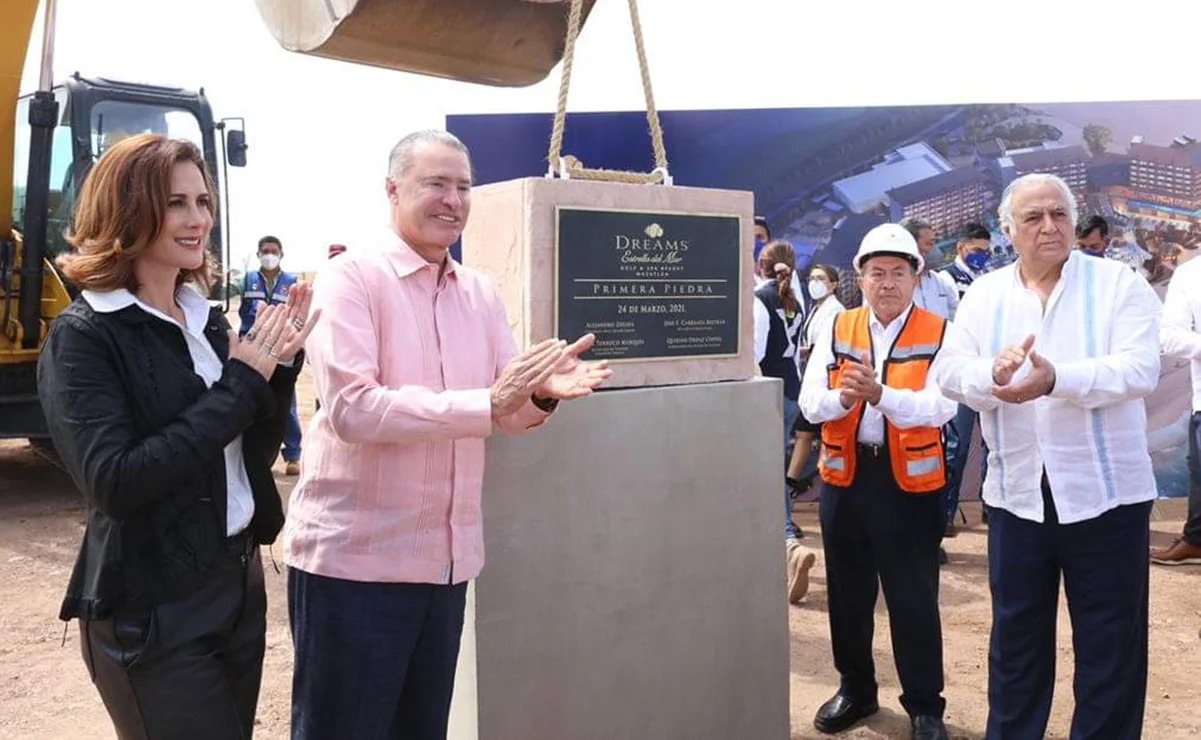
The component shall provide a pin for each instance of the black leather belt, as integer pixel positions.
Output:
(873, 451)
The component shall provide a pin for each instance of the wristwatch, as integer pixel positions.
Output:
(545, 404)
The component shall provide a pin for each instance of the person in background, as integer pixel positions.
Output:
(167, 422)
(1180, 337)
(778, 320)
(269, 286)
(762, 237)
(823, 281)
(1092, 236)
(971, 261)
(936, 290)
(971, 258)
(938, 293)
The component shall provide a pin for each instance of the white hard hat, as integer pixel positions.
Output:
(888, 239)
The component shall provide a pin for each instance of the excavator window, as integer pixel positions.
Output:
(113, 120)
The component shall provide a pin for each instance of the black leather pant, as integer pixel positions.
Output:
(189, 669)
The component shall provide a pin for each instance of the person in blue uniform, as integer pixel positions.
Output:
(269, 285)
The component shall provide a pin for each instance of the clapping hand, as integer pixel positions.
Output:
(1037, 383)
(571, 377)
(278, 333)
(859, 384)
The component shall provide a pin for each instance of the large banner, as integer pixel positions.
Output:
(824, 176)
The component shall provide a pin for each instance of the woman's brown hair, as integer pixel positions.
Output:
(780, 252)
(121, 209)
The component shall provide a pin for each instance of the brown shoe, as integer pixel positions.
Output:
(799, 565)
(292, 468)
(1180, 553)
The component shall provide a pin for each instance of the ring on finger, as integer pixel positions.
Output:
(298, 324)
(251, 335)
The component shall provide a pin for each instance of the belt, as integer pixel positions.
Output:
(873, 451)
(240, 545)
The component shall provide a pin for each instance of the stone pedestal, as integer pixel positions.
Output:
(511, 235)
(634, 585)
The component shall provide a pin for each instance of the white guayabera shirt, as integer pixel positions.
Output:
(1100, 331)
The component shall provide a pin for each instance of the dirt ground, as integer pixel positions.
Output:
(45, 691)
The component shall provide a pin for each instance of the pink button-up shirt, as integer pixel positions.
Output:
(394, 459)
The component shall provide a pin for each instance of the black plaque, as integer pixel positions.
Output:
(649, 285)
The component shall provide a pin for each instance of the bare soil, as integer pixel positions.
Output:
(45, 691)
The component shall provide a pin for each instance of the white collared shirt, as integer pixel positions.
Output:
(1100, 331)
(240, 507)
(1180, 330)
(937, 292)
(904, 409)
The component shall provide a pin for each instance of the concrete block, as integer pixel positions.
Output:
(634, 585)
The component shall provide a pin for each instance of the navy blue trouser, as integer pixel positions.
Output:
(1192, 527)
(1105, 572)
(875, 535)
(373, 660)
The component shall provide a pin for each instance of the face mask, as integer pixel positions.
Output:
(269, 261)
(1092, 253)
(759, 245)
(976, 261)
(818, 290)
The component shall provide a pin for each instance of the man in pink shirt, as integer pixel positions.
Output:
(415, 366)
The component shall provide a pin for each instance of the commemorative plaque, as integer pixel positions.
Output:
(651, 285)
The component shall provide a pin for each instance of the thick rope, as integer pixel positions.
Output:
(573, 167)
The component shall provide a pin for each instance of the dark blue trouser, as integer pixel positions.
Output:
(1105, 572)
(874, 535)
(1192, 527)
(372, 660)
(292, 434)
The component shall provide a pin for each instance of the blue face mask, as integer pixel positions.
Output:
(759, 245)
(1092, 253)
(976, 261)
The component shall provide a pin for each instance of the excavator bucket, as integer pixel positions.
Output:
(504, 43)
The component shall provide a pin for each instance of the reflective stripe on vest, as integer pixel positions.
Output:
(915, 455)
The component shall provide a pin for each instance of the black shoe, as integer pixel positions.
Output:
(840, 712)
(929, 728)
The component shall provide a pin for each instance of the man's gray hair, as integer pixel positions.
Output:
(401, 157)
(1005, 210)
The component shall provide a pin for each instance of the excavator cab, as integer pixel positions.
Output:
(94, 114)
(503, 43)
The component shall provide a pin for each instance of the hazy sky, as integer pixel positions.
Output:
(320, 130)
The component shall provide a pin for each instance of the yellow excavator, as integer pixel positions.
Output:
(48, 142)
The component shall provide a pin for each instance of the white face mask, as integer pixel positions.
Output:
(269, 261)
(818, 290)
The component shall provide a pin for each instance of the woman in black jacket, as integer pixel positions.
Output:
(168, 423)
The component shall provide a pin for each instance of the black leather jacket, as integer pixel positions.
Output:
(144, 441)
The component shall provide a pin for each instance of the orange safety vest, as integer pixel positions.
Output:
(916, 455)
